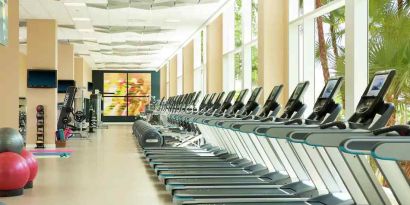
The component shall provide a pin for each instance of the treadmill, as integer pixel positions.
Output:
(250, 107)
(294, 108)
(328, 109)
(211, 107)
(233, 161)
(355, 185)
(389, 147)
(270, 108)
(186, 159)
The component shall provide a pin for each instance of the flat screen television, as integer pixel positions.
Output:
(4, 27)
(37, 78)
(90, 86)
(64, 84)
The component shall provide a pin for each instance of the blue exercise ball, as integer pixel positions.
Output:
(11, 140)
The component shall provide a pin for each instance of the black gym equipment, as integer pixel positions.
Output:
(147, 135)
(372, 113)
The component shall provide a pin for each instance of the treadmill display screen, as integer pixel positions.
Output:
(273, 93)
(240, 96)
(254, 94)
(298, 91)
(377, 85)
(330, 86)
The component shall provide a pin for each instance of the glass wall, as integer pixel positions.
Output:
(329, 51)
(344, 47)
(240, 45)
(389, 48)
(316, 61)
(199, 62)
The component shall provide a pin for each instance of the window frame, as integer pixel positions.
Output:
(230, 49)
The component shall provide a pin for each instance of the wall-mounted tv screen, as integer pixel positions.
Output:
(64, 84)
(90, 87)
(42, 78)
(4, 31)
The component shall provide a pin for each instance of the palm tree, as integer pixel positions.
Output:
(389, 47)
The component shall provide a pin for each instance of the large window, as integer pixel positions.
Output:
(344, 46)
(240, 45)
(126, 94)
(329, 50)
(389, 48)
(316, 61)
(199, 62)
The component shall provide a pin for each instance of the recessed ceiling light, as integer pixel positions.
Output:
(74, 4)
(85, 30)
(81, 19)
(90, 39)
(136, 20)
(172, 20)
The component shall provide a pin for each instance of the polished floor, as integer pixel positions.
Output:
(105, 169)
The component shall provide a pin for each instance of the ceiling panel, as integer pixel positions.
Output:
(113, 32)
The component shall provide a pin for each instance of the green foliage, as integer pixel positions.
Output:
(255, 62)
(254, 18)
(389, 47)
(238, 23)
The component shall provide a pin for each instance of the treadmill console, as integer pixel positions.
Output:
(270, 104)
(375, 92)
(203, 102)
(371, 112)
(208, 103)
(325, 99)
(251, 105)
(226, 103)
(217, 103)
(194, 101)
(295, 102)
(238, 104)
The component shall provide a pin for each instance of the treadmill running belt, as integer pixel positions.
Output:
(257, 203)
(219, 181)
(233, 193)
(204, 173)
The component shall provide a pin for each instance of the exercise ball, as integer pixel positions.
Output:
(32, 165)
(11, 140)
(14, 174)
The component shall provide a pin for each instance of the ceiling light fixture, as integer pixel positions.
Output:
(81, 19)
(74, 4)
(86, 30)
(172, 20)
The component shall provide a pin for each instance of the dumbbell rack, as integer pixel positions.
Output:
(40, 127)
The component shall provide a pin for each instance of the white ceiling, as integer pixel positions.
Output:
(133, 34)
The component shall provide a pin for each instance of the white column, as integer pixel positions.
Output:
(356, 52)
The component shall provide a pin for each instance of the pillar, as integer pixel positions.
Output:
(22, 75)
(214, 63)
(9, 78)
(65, 64)
(82, 74)
(42, 54)
(273, 46)
(188, 67)
(163, 77)
(173, 76)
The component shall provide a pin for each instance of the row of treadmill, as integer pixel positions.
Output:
(253, 155)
